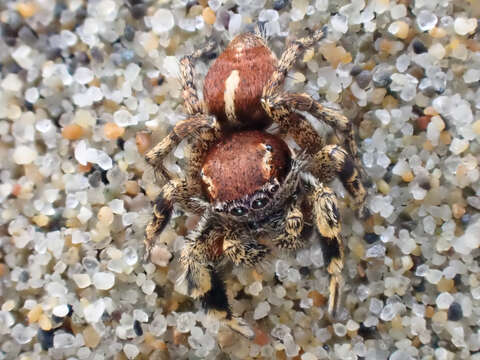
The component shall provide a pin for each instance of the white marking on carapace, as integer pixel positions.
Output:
(239, 49)
(231, 85)
(210, 187)
(266, 162)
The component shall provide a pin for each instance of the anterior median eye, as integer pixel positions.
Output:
(238, 211)
(259, 203)
(274, 188)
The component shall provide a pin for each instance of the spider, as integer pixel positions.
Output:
(250, 188)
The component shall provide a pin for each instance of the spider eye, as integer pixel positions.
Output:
(274, 189)
(259, 203)
(238, 211)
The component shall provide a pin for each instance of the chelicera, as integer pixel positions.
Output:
(251, 190)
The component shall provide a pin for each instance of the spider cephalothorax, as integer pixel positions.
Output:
(246, 182)
(242, 173)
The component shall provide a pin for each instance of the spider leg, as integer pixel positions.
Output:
(187, 78)
(300, 129)
(162, 211)
(192, 125)
(333, 160)
(197, 151)
(290, 55)
(199, 257)
(327, 221)
(243, 252)
(277, 106)
(174, 191)
(295, 124)
(291, 237)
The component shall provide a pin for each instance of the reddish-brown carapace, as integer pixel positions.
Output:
(242, 163)
(252, 190)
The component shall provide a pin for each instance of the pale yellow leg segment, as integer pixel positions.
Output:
(327, 221)
(242, 251)
(291, 237)
(334, 161)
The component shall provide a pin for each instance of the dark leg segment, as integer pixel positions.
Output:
(287, 103)
(162, 211)
(327, 220)
(190, 127)
(288, 59)
(187, 78)
(243, 251)
(216, 300)
(199, 256)
(291, 238)
(333, 160)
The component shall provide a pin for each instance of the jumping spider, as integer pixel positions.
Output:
(249, 186)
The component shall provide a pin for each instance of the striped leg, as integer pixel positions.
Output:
(279, 105)
(327, 221)
(334, 161)
(243, 251)
(290, 55)
(202, 248)
(193, 126)
(187, 79)
(295, 124)
(291, 238)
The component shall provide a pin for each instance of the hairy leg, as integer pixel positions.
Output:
(291, 237)
(199, 257)
(327, 221)
(285, 103)
(289, 56)
(197, 150)
(243, 251)
(295, 124)
(334, 161)
(187, 79)
(192, 126)
(174, 191)
(162, 211)
(300, 129)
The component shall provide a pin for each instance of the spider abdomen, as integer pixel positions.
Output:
(242, 163)
(235, 81)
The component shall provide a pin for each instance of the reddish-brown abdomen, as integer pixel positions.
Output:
(236, 80)
(242, 163)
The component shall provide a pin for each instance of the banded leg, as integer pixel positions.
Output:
(187, 79)
(295, 124)
(203, 282)
(162, 211)
(175, 191)
(196, 155)
(300, 129)
(284, 103)
(333, 160)
(192, 126)
(291, 238)
(327, 221)
(290, 55)
(243, 251)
